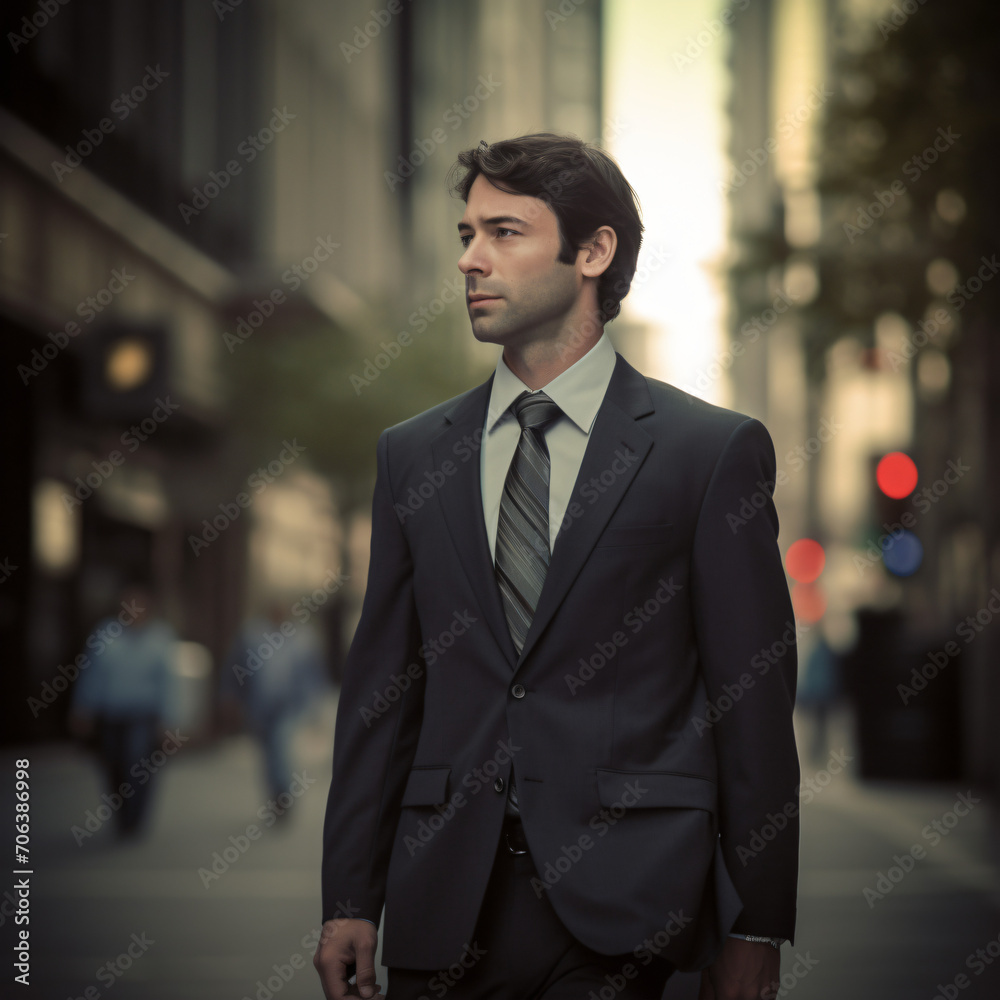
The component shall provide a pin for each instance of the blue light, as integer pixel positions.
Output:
(903, 553)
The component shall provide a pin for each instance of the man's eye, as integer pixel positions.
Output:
(464, 240)
(501, 230)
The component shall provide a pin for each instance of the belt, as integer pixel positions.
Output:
(513, 836)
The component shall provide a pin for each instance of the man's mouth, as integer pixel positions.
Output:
(479, 298)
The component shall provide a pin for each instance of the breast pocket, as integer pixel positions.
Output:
(637, 534)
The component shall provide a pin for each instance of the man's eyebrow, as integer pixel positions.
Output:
(497, 220)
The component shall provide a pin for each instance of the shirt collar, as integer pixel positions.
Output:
(578, 391)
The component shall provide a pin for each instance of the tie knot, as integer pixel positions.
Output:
(535, 411)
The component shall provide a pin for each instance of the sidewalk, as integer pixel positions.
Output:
(247, 927)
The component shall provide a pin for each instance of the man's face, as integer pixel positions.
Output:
(517, 291)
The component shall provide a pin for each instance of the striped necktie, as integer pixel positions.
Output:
(522, 543)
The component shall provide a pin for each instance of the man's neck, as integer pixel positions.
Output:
(536, 364)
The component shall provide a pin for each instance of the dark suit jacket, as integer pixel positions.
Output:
(648, 719)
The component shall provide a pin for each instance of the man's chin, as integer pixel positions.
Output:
(486, 333)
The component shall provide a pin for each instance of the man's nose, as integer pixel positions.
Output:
(473, 261)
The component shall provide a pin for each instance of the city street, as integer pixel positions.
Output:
(153, 919)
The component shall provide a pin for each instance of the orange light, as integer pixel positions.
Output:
(808, 602)
(805, 560)
(896, 475)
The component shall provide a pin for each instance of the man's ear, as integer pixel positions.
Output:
(598, 252)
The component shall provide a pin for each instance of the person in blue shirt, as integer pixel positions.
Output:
(122, 698)
(274, 669)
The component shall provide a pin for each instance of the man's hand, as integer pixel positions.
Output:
(744, 970)
(343, 943)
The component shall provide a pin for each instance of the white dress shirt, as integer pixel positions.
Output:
(578, 392)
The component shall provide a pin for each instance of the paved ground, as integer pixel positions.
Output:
(223, 939)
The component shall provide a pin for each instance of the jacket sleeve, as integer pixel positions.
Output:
(378, 721)
(745, 632)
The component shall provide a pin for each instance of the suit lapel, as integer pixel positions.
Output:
(616, 448)
(462, 503)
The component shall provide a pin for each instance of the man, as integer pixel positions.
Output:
(566, 713)
(125, 698)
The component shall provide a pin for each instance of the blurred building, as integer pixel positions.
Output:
(864, 219)
(184, 188)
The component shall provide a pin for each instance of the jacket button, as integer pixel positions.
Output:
(498, 784)
(517, 690)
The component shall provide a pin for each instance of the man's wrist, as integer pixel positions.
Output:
(775, 942)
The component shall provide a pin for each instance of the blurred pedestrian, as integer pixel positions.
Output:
(274, 671)
(819, 691)
(124, 697)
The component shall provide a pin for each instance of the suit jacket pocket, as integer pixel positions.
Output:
(637, 534)
(651, 789)
(426, 786)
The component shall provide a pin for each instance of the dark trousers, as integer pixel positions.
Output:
(521, 951)
(123, 743)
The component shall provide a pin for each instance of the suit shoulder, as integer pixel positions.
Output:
(693, 413)
(418, 427)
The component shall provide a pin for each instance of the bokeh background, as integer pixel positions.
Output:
(228, 260)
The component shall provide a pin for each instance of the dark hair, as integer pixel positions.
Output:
(580, 183)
